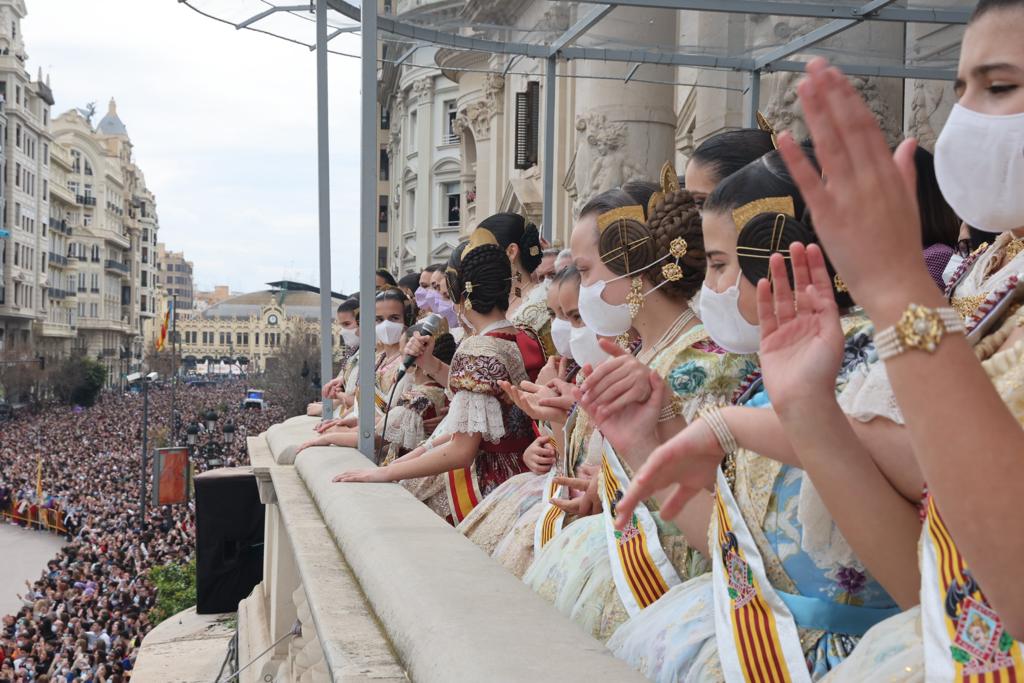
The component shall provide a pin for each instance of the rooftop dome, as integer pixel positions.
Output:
(111, 124)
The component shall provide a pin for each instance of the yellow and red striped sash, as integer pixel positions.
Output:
(757, 637)
(463, 492)
(964, 638)
(551, 519)
(641, 570)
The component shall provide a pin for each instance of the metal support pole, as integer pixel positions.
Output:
(174, 366)
(324, 189)
(369, 157)
(550, 83)
(752, 98)
(145, 450)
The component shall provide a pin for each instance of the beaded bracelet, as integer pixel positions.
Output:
(673, 410)
(719, 427)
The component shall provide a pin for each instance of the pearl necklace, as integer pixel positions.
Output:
(648, 354)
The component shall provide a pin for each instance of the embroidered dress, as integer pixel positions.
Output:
(404, 428)
(575, 571)
(533, 313)
(479, 406)
(811, 568)
(955, 634)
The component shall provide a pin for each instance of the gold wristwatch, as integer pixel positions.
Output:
(920, 328)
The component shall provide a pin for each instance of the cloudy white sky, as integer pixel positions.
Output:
(224, 127)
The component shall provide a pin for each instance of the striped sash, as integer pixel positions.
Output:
(964, 638)
(463, 492)
(641, 570)
(551, 519)
(757, 636)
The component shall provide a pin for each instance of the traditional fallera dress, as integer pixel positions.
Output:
(404, 430)
(598, 576)
(786, 598)
(534, 314)
(954, 635)
(479, 406)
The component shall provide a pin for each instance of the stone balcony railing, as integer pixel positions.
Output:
(387, 591)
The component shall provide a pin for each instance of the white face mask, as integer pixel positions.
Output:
(389, 332)
(350, 335)
(561, 331)
(720, 313)
(979, 163)
(605, 319)
(584, 347)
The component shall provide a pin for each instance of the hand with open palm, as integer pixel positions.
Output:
(631, 428)
(801, 337)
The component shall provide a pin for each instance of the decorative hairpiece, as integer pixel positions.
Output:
(469, 290)
(839, 284)
(764, 125)
(774, 246)
(669, 184)
(745, 213)
(478, 238)
(618, 218)
(534, 250)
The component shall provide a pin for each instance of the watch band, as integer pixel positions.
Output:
(920, 328)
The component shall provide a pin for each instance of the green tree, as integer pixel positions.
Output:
(175, 589)
(78, 380)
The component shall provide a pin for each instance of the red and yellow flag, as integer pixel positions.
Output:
(162, 339)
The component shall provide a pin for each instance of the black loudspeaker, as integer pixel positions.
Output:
(229, 538)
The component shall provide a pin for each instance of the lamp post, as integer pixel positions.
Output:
(209, 447)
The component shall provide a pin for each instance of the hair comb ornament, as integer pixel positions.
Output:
(669, 184)
(763, 124)
(534, 250)
(478, 238)
(618, 218)
(840, 285)
(745, 213)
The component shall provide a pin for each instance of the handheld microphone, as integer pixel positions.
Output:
(431, 326)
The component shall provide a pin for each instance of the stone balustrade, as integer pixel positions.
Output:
(386, 590)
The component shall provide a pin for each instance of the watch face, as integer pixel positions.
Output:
(272, 319)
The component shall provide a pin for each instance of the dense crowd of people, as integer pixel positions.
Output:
(84, 617)
(719, 431)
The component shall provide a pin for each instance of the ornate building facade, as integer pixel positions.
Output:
(615, 122)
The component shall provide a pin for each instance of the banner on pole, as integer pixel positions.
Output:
(171, 475)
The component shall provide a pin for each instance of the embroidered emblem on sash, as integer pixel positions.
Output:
(741, 578)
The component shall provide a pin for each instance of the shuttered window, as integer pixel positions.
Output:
(527, 125)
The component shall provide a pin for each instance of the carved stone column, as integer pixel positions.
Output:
(624, 131)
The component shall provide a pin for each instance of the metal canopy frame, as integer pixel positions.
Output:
(370, 25)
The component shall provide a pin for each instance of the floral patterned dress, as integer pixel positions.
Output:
(479, 406)
(574, 570)
(803, 552)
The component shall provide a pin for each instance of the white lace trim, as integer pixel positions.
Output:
(405, 428)
(868, 395)
(473, 413)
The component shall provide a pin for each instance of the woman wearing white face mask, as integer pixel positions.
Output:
(640, 265)
(813, 578)
(484, 435)
(503, 524)
(393, 312)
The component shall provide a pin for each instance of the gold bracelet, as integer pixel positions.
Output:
(673, 410)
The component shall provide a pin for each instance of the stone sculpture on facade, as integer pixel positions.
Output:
(928, 98)
(602, 157)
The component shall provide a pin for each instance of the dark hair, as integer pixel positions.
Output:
(511, 228)
(985, 6)
(350, 305)
(389, 279)
(728, 152)
(444, 348)
(410, 281)
(939, 223)
(766, 233)
(395, 294)
(487, 271)
(434, 267)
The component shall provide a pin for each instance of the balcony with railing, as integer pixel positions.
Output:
(85, 200)
(117, 266)
(58, 260)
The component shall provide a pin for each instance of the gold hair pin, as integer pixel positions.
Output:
(745, 213)
(764, 125)
(669, 184)
(478, 238)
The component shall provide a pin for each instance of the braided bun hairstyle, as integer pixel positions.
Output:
(676, 216)
(444, 348)
(511, 228)
(488, 269)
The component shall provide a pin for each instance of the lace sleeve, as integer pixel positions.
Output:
(476, 413)
(868, 395)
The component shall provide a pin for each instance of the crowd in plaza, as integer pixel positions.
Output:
(727, 433)
(85, 615)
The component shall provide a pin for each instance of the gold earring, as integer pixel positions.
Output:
(635, 298)
(840, 285)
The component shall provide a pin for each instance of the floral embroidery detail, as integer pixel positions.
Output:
(688, 378)
(859, 349)
(480, 374)
(850, 579)
(741, 577)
